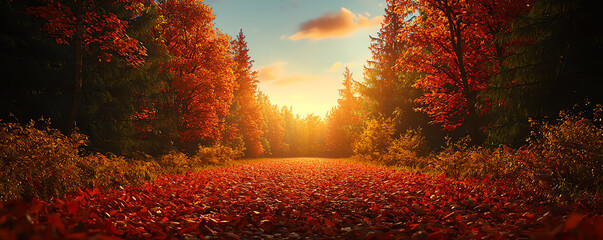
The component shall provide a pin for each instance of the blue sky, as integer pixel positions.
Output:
(301, 47)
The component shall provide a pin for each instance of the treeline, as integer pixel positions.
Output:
(155, 76)
(141, 76)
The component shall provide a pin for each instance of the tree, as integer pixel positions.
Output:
(381, 81)
(343, 119)
(33, 66)
(245, 115)
(452, 42)
(116, 96)
(388, 91)
(92, 26)
(553, 62)
(201, 67)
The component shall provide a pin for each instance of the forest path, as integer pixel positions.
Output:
(295, 198)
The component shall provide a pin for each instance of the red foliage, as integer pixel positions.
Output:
(298, 198)
(453, 42)
(103, 30)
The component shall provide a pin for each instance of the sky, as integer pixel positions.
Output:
(301, 47)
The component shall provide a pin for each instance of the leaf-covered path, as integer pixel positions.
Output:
(297, 198)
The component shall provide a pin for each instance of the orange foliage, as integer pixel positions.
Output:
(203, 81)
(274, 131)
(246, 115)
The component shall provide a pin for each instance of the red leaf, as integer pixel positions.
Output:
(436, 235)
(93, 192)
(329, 223)
(73, 207)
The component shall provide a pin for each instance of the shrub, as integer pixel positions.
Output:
(408, 150)
(175, 162)
(39, 163)
(454, 157)
(215, 154)
(500, 163)
(563, 159)
(375, 139)
(109, 171)
(569, 154)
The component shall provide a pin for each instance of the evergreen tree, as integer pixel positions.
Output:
(116, 94)
(379, 89)
(343, 119)
(554, 63)
(33, 66)
(387, 91)
(245, 116)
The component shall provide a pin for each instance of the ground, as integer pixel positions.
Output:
(299, 198)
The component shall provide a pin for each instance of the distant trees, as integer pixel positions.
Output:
(273, 138)
(287, 134)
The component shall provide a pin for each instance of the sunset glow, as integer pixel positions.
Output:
(301, 48)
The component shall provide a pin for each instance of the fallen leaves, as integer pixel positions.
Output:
(298, 198)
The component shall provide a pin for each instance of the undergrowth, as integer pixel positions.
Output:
(39, 162)
(562, 161)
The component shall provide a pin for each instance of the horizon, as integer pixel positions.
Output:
(301, 48)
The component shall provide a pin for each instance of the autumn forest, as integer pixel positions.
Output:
(140, 119)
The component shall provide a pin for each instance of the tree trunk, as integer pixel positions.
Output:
(477, 137)
(77, 84)
(469, 95)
